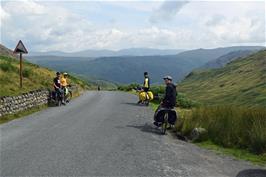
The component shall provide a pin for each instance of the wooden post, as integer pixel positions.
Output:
(20, 68)
(20, 48)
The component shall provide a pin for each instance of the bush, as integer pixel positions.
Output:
(184, 102)
(7, 67)
(27, 72)
(229, 126)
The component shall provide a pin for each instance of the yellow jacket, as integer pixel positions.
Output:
(63, 81)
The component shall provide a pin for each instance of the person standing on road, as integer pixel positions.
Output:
(146, 83)
(169, 100)
(145, 87)
(64, 85)
(58, 86)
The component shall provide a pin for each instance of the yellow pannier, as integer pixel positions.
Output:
(144, 96)
(150, 94)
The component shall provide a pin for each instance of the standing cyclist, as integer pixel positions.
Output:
(58, 86)
(64, 85)
(169, 100)
(146, 83)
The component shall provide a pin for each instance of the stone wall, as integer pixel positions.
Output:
(14, 104)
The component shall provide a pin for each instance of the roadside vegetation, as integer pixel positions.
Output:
(229, 127)
(34, 77)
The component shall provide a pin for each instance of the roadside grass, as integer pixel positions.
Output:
(229, 126)
(238, 131)
(235, 151)
(10, 117)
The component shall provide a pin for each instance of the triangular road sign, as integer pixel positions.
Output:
(20, 48)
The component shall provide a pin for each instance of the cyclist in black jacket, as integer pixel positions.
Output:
(169, 100)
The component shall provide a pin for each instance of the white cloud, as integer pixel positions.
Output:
(46, 26)
(167, 11)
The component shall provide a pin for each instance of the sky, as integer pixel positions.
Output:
(79, 25)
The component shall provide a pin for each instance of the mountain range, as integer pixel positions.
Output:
(110, 53)
(128, 69)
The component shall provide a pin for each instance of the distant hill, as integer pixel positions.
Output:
(227, 58)
(111, 53)
(7, 52)
(241, 82)
(34, 76)
(128, 69)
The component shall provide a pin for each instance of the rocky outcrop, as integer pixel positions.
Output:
(199, 134)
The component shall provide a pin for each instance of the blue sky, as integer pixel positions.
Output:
(79, 25)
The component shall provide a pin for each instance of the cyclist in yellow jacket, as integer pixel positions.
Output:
(64, 84)
(146, 83)
(63, 80)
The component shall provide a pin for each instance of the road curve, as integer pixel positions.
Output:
(103, 134)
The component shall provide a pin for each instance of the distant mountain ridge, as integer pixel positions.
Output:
(111, 53)
(128, 69)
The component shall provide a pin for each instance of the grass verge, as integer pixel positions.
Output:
(241, 154)
(237, 153)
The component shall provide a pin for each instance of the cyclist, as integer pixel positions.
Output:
(58, 86)
(146, 83)
(64, 84)
(169, 100)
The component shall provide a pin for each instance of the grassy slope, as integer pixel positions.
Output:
(35, 77)
(242, 82)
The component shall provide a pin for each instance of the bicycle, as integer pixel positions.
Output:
(67, 94)
(168, 119)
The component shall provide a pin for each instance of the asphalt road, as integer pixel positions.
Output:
(104, 134)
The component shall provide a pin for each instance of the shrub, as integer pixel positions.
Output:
(27, 72)
(7, 67)
(184, 102)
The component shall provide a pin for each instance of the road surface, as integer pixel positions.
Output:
(103, 134)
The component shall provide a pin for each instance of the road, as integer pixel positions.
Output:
(103, 134)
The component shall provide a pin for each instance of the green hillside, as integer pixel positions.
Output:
(241, 82)
(34, 76)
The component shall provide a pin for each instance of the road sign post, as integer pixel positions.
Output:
(20, 48)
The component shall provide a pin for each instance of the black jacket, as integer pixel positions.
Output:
(169, 99)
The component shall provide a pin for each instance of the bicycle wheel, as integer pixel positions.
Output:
(68, 97)
(165, 124)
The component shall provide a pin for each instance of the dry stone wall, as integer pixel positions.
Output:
(14, 104)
